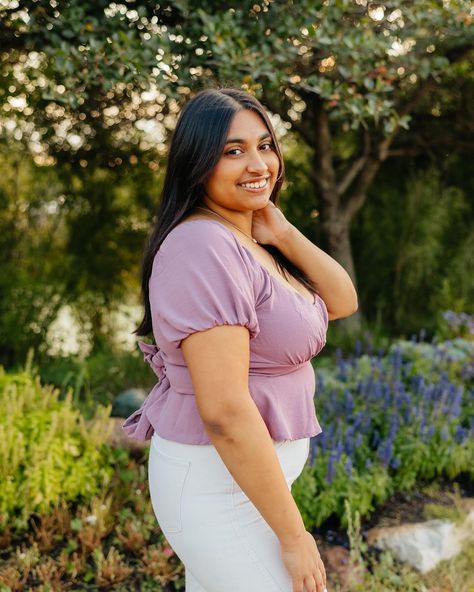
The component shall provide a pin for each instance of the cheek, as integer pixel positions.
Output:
(273, 162)
(218, 182)
(224, 174)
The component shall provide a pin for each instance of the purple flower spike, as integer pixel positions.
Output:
(348, 467)
(330, 470)
(385, 452)
(396, 462)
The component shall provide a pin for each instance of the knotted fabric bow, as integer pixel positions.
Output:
(152, 355)
(138, 425)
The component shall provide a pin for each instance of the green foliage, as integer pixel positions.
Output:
(390, 422)
(361, 60)
(433, 224)
(413, 245)
(48, 452)
(67, 238)
(98, 378)
(109, 541)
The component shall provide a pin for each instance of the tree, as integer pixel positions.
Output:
(346, 74)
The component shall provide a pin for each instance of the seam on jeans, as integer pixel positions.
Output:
(248, 547)
(184, 464)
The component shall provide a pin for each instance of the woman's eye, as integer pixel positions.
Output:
(233, 151)
(236, 151)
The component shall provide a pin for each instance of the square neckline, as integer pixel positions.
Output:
(272, 277)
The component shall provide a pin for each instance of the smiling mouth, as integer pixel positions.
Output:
(256, 185)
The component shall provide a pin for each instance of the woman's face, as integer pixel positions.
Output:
(246, 173)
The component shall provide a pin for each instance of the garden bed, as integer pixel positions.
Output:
(397, 439)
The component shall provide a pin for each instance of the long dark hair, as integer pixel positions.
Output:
(196, 147)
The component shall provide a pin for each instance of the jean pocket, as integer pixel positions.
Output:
(167, 476)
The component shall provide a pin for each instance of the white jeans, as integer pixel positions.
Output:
(212, 526)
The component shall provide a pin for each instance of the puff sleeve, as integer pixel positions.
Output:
(201, 279)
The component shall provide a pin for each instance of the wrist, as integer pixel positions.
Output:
(289, 539)
(284, 238)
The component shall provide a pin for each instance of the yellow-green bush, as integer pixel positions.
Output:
(48, 451)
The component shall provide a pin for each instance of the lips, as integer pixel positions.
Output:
(257, 183)
(255, 180)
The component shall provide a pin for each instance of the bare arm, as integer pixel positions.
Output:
(218, 361)
(333, 282)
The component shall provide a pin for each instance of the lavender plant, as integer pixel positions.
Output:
(457, 324)
(390, 419)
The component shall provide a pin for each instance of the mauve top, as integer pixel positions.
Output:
(202, 277)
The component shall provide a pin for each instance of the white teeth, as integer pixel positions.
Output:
(255, 185)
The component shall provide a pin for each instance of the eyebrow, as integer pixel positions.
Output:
(241, 141)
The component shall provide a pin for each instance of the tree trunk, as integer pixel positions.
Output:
(336, 228)
(335, 218)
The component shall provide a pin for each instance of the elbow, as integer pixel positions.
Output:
(352, 304)
(348, 309)
(219, 418)
(214, 428)
(221, 426)
(355, 305)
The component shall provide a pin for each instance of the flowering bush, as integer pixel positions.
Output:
(390, 419)
(457, 324)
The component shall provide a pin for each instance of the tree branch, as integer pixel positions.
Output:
(356, 167)
(381, 151)
(403, 152)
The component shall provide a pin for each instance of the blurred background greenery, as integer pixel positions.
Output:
(373, 105)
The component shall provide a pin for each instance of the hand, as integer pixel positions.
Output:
(303, 563)
(269, 225)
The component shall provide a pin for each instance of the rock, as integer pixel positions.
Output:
(127, 402)
(425, 544)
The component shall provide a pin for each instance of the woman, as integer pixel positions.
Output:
(238, 301)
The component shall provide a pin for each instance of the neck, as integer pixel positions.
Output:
(242, 220)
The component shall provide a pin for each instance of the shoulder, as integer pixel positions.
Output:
(196, 232)
(203, 243)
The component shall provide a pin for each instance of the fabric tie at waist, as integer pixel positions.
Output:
(152, 355)
(137, 425)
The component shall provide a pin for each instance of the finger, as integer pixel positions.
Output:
(298, 586)
(310, 585)
(323, 571)
(320, 583)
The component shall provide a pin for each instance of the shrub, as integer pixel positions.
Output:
(48, 452)
(390, 420)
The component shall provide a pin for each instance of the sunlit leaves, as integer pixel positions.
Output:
(363, 60)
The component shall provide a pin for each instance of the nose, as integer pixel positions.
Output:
(256, 164)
